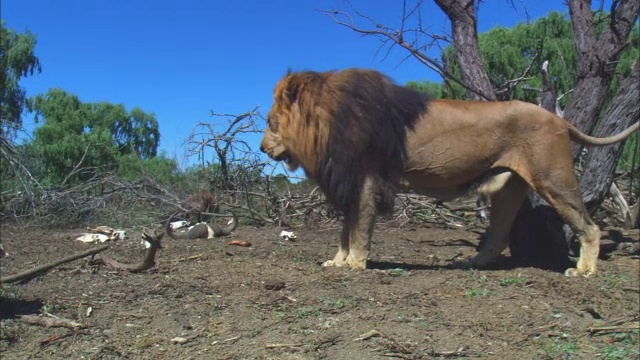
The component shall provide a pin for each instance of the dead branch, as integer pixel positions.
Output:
(618, 325)
(407, 38)
(280, 346)
(227, 144)
(509, 85)
(50, 321)
(14, 158)
(254, 214)
(57, 338)
(76, 169)
(148, 262)
(41, 269)
(620, 201)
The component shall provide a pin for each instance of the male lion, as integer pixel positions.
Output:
(362, 138)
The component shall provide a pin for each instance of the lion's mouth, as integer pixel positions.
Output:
(291, 163)
(279, 153)
(281, 157)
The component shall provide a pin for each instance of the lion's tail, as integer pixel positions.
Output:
(585, 139)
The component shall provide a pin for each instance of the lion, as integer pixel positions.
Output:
(363, 139)
(201, 202)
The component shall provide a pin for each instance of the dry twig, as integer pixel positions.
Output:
(49, 321)
(619, 325)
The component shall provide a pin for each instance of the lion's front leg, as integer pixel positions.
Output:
(360, 241)
(362, 220)
(355, 240)
(343, 250)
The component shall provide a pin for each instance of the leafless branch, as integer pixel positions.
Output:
(398, 37)
(524, 6)
(77, 169)
(509, 85)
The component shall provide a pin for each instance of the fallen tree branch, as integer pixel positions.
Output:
(58, 338)
(43, 268)
(619, 325)
(619, 200)
(148, 262)
(280, 346)
(49, 321)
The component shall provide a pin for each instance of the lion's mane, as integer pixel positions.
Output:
(342, 126)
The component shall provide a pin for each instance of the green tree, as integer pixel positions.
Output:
(161, 168)
(85, 138)
(280, 181)
(135, 132)
(436, 90)
(513, 57)
(17, 60)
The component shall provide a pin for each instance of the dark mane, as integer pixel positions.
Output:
(369, 117)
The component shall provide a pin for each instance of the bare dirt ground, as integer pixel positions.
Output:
(210, 300)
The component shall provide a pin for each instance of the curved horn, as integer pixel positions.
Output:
(169, 230)
(225, 231)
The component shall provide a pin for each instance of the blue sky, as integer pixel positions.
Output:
(181, 59)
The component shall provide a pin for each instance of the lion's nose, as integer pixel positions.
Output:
(262, 148)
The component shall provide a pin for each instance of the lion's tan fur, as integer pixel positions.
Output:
(342, 128)
(307, 140)
(203, 201)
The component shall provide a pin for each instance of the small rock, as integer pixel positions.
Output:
(274, 285)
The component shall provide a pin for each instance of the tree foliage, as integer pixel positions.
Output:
(435, 90)
(88, 137)
(163, 169)
(17, 60)
(514, 56)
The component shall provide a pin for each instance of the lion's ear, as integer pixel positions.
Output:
(293, 89)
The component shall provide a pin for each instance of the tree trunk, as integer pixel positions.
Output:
(597, 59)
(600, 162)
(465, 37)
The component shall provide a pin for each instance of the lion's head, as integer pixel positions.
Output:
(341, 126)
(293, 135)
(272, 143)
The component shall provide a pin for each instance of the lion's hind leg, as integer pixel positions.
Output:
(566, 199)
(507, 192)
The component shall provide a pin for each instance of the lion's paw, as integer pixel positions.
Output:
(328, 263)
(577, 272)
(333, 263)
(356, 264)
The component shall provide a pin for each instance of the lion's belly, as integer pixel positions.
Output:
(447, 156)
(438, 169)
(437, 186)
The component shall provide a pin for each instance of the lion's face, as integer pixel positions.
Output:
(272, 144)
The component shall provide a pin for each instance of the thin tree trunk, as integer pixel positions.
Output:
(597, 59)
(465, 37)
